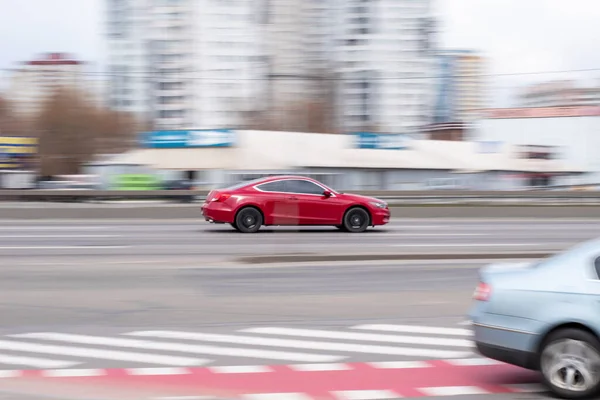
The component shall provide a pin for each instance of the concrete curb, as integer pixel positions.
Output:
(301, 258)
(190, 212)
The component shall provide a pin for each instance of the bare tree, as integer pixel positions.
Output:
(10, 123)
(72, 130)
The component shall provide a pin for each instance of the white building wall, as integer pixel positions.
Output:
(577, 138)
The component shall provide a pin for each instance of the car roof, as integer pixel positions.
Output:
(281, 177)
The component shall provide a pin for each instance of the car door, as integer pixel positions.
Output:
(276, 204)
(314, 208)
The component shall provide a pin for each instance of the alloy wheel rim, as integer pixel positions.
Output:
(571, 365)
(356, 220)
(249, 220)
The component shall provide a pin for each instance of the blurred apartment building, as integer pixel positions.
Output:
(33, 81)
(565, 93)
(210, 64)
(461, 87)
(185, 63)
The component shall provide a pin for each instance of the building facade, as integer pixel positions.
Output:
(183, 63)
(384, 58)
(461, 87)
(566, 93)
(33, 81)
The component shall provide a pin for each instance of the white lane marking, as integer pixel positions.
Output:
(100, 354)
(465, 323)
(242, 369)
(56, 228)
(426, 330)
(57, 236)
(277, 396)
(186, 398)
(526, 387)
(158, 371)
(10, 374)
(452, 391)
(199, 349)
(62, 247)
(63, 373)
(465, 362)
(474, 244)
(366, 395)
(399, 364)
(433, 234)
(42, 363)
(302, 344)
(367, 337)
(320, 367)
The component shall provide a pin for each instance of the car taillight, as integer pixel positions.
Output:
(482, 292)
(221, 197)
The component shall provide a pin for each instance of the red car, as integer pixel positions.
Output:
(292, 200)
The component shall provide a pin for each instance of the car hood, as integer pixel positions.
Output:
(363, 199)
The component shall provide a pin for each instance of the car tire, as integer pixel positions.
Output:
(234, 226)
(565, 359)
(356, 220)
(341, 227)
(248, 220)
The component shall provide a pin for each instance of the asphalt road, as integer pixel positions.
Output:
(107, 285)
(200, 242)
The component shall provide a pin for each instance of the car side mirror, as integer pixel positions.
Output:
(327, 193)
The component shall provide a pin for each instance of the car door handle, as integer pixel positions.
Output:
(292, 198)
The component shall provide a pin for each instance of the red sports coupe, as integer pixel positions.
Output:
(292, 200)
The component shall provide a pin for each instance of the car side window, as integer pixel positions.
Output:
(303, 187)
(277, 186)
(597, 267)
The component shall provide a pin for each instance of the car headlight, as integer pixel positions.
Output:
(378, 204)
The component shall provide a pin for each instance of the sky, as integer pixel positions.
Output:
(517, 36)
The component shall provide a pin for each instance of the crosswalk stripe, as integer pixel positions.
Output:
(452, 391)
(473, 362)
(99, 354)
(320, 367)
(366, 395)
(426, 330)
(277, 396)
(10, 374)
(242, 369)
(36, 362)
(368, 337)
(179, 347)
(64, 373)
(158, 371)
(302, 344)
(399, 364)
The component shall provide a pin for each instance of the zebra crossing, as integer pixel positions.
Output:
(238, 350)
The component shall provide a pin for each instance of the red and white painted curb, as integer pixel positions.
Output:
(343, 381)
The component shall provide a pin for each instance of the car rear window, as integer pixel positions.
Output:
(243, 184)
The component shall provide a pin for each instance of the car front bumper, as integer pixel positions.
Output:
(381, 216)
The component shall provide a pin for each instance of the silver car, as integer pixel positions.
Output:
(544, 316)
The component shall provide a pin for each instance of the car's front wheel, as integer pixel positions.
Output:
(570, 364)
(248, 220)
(234, 226)
(356, 220)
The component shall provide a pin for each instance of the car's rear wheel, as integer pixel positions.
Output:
(570, 364)
(248, 220)
(356, 220)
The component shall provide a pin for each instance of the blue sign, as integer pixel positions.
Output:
(385, 141)
(189, 138)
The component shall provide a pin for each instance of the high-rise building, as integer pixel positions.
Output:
(33, 81)
(207, 63)
(185, 63)
(460, 86)
(385, 59)
(566, 93)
